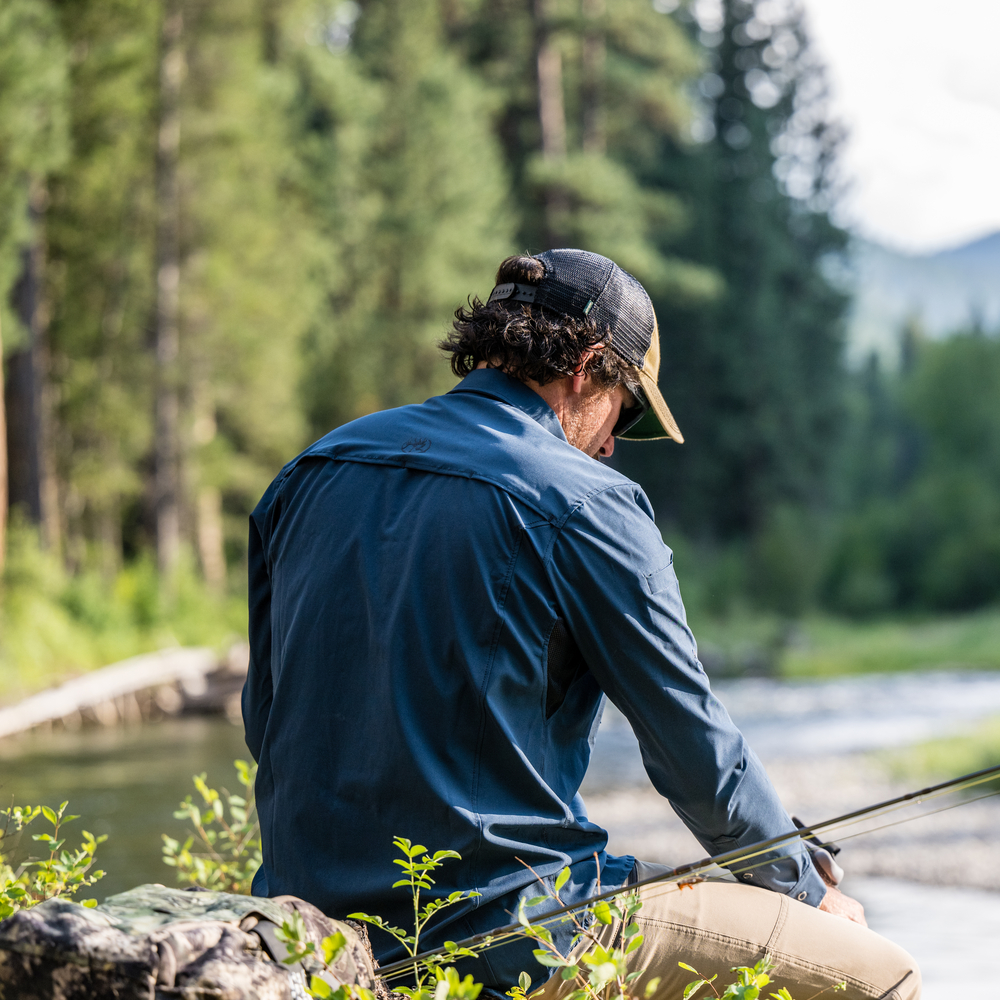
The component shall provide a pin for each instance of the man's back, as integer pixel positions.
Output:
(406, 685)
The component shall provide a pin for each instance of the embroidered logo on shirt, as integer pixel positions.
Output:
(417, 444)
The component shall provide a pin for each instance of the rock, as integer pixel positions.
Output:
(156, 943)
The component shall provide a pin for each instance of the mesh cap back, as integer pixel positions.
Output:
(579, 283)
(583, 284)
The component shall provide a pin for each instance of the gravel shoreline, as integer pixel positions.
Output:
(956, 847)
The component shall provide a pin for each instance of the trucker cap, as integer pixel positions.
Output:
(586, 285)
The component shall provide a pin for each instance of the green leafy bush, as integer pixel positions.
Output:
(417, 878)
(222, 850)
(54, 624)
(750, 980)
(29, 881)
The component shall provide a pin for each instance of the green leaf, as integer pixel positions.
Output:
(536, 900)
(332, 947)
(630, 930)
(651, 987)
(89, 903)
(546, 958)
(684, 965)
(692, 988)
(320, 988)
(633, 944)
(524, 981)
(562, 878)
(50, 815)
(603, 973)
(570, 972)
(602, 912)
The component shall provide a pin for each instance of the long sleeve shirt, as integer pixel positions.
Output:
(441, 596)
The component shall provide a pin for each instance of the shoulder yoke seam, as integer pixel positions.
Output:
(408, 462)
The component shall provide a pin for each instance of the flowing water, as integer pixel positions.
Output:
(783, 719)
(126, 782)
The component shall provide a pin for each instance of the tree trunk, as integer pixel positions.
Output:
(167, 330)
(48, 483)
(109, 533)
(3, 465)
(208, 508)
(594, 55)
(211, 553)
(24, 483)
(551, 115)
(31, 474)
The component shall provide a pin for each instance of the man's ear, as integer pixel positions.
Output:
(579, 374)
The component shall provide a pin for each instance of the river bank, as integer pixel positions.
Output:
(824, 744)
(927, 883)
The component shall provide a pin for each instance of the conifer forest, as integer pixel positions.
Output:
(227, 226)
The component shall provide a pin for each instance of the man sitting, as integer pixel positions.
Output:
(442, 595)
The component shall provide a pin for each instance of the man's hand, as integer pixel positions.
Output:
(839, 905)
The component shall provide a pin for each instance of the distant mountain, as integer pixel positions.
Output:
(944, 291)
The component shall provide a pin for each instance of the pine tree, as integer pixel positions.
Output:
(407, 180)
(588, 87)
(166, 324)
(32, 142)
(101, 230)
(249, 271)
(211, 249)
(755, 379)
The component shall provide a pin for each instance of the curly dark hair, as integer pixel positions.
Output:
(530, 342)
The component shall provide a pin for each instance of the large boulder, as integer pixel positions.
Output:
(155, 943)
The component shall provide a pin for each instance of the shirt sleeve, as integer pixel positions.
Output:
(615, 584)
(257, 690)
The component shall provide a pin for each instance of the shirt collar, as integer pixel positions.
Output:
(497, 384)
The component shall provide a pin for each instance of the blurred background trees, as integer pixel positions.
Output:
(229, 225)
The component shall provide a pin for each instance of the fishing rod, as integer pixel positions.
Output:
(693, 869)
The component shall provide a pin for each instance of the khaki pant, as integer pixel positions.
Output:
(716, 925)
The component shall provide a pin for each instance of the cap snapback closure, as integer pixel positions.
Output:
(512, 290)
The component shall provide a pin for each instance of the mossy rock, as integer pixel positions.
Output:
(155, 943)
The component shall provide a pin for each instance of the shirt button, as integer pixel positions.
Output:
(802, 895)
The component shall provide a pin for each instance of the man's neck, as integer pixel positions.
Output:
(583, 409)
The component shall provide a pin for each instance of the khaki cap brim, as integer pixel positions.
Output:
(658, 421)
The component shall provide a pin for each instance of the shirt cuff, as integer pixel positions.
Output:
(792, 875)
(810, 888)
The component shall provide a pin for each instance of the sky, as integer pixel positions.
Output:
(917, 84)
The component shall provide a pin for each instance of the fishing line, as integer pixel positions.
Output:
(502, 935)
(665, 886)
(668, 882)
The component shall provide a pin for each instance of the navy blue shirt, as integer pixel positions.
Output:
(440, 597)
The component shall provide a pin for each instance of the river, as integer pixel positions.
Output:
(126, 782)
